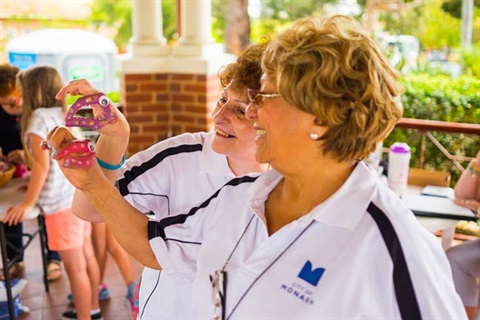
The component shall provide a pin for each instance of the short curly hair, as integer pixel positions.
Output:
(333, 69)
(246, 70)
(8, 76)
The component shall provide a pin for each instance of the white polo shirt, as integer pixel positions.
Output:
(171, 176)
(361, 254)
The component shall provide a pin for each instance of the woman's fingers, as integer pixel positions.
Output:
(76, 87)
(58, 138)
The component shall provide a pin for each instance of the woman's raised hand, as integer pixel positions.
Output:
(118, 128)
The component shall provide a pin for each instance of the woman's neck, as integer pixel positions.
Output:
(299, 192)
(239, 168)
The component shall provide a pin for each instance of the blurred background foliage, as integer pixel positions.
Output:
(438, 97)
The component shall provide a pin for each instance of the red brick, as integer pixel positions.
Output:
(140, 118)
(141, 97)
(162, 117)
(195, 87)
(134, 128)
(201, 99)
(161, 77)
(202, 121)
(131, 88)
(177, 107)
(138, 77)
(183, 118)
(153, 87)
(133, 109)
(192, 128)
(175, 87)
(155, 128)
(183, 77)
(162, 97)
(197, 110)
(182, 97)
(141, 138)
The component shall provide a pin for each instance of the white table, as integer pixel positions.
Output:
(10, 194)
(437, 213)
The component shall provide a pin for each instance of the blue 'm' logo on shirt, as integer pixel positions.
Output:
(309, 275)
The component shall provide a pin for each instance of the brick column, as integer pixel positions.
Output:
(160, 105)
(168, 91)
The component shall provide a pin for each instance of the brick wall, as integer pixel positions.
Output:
(160, 105)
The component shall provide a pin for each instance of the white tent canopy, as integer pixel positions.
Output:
(55, 41)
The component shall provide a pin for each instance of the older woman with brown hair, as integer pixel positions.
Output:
(179, 172)
(319, 236)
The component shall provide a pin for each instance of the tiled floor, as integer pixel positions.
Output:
(51, 305)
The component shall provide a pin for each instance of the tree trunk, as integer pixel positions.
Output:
(467, 23)
(238, 26)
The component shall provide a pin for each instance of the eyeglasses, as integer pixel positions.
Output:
(219, 294)
(258, 97)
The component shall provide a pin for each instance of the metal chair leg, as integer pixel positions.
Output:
(8, 285)
(43, 245)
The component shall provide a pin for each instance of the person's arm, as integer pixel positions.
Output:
(110, 148)
(16, 156)
(128, 225)
(467, 189)
(39, 172)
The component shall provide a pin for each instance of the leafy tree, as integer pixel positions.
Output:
(404, 22)
(289, 10)
(438, 29)
(454, 7)
(118, 14)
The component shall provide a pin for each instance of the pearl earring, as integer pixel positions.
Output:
(314, 136)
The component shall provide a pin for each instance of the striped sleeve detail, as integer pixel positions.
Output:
(136, 171)
(404, 291)
(157, 228)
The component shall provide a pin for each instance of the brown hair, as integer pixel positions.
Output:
(246, 70)
(332, 69)
(39, 85)
(8, 75)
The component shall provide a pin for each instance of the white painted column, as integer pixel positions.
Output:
(196, 34)
(148, 38)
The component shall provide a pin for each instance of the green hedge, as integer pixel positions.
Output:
(445, 99)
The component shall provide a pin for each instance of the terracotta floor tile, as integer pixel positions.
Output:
(51, 305)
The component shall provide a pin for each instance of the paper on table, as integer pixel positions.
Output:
(437, 207)
(435, 191)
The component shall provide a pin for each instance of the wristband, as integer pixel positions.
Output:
(473, 168)
(109, 166)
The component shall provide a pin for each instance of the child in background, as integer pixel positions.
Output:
(104, 242)
(49, 189)
(12, 149)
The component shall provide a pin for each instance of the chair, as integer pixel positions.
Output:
(423, 177)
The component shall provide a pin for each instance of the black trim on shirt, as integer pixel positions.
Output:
(404, 291)
(157, 228)
(136, 171)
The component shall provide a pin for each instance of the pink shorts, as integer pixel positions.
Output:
(66, 231)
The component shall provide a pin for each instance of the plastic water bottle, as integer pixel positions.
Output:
(398, 165)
